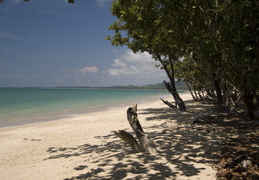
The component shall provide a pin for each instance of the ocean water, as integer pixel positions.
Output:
(28, 105)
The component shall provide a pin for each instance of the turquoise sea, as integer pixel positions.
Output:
(28, 105)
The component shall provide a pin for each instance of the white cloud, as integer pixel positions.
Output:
(127, 68)
(132, 70)
(132, 57)
(119, 63)
(89, 69)
(135, 65)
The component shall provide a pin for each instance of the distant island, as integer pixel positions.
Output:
(160, 86)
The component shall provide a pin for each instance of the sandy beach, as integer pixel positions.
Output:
(84, 147)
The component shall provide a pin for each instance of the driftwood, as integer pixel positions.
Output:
(144, 143)
(128, 138)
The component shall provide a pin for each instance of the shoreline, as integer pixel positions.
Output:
(77, 110)
(84, 147)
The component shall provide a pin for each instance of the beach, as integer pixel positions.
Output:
(84, 147)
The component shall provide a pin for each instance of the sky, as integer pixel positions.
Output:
(53, 43)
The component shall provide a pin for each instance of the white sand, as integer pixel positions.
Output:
(84, 147)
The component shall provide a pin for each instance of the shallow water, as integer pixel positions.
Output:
(26, 105)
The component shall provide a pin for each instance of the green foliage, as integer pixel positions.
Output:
(217, 41)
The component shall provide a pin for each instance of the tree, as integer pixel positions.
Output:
(220, 39)
(147, 31)
(240, 32)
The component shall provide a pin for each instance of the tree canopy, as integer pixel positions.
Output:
(212, 44)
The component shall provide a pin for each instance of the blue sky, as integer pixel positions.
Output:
(53, 43)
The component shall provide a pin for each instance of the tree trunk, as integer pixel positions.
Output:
(257, 98)
(172, 89)
(171, 86)
(195, 93)
(168, 103)
(210, 93)
(201, 98)
(144, 142)
(216, 82)
(248, 99)
(226, 94)
(190, 90)
(235, 99)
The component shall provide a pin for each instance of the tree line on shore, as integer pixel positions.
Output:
(211, 45)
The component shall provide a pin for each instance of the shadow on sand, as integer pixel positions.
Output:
(184, 149)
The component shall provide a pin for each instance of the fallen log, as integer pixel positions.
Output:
(144, 143)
